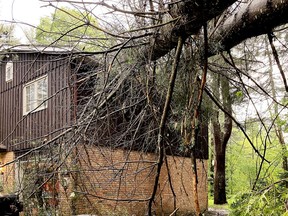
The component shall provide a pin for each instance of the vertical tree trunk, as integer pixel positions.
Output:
(221, 138)
(211, 168)
(220, 179)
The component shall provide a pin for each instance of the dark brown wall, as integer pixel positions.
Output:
(22, 132)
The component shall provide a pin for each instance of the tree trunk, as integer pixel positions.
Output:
(185, 18)
(219, 165)
(220, 178)
(211, 168)
(221, 139)
(252, 18)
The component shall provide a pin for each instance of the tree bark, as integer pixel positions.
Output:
(221, 139)
(220, 179)
(187, 19)
(253, 18)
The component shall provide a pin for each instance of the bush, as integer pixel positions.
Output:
(268, 201)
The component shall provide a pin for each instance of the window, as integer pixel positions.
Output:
(35, 95)
(9, 71)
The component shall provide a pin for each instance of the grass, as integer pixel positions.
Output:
(212, 205)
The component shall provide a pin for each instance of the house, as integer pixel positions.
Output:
(53, 167)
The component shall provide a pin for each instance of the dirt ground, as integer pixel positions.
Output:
(218, 212)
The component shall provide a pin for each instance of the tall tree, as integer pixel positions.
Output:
(69, 27)
(221, 135)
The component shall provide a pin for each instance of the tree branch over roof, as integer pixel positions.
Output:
(191, 16)
(251, 19)
(186, 17)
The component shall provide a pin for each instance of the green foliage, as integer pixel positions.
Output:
(69, 27)
(243, 164)
(237, 96)
(269, 201)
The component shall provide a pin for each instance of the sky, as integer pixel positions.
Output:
(30, 12)
(26, 11)
(21, 10)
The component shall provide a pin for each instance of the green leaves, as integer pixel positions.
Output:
(69, 27)
(266, 202)
(239, 94)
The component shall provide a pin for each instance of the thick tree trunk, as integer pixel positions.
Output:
(219, 164)
(252, 18)
(220, 178)
(185, 18)
(221, 137)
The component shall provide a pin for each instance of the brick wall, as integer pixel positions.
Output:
(7, 174)
(180, 170)
(119, 181)
(101, 181)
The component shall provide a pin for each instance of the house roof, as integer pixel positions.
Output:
(25, 48)
(78, 55)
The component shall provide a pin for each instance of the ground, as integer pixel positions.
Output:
(216, 211)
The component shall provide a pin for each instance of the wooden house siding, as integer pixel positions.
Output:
(18, 131)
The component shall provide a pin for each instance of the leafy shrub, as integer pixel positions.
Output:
(268, 201)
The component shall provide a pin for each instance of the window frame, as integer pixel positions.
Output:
(9, 67)
(39, 103)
